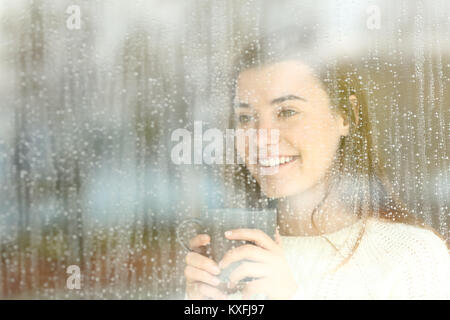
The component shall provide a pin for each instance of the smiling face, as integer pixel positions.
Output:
(288, 97)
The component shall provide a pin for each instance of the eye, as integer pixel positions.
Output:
(286, 113)
(244, 118)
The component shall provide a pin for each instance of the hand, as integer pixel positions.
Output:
(268, 263)
(200, 272)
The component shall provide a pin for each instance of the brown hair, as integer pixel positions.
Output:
(357, 173)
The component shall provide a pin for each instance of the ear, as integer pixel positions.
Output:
(344, 125)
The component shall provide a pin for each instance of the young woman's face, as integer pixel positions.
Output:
(288, 97)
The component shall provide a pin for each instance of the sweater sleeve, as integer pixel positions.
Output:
(422, 270)
(299, 294)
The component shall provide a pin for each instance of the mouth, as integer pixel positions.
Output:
(277, 161)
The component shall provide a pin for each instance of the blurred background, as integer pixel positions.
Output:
(92, 90)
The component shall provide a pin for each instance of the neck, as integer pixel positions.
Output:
(294, 213)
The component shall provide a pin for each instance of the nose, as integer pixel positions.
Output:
(268, 134)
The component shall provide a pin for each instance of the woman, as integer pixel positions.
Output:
(342, 235)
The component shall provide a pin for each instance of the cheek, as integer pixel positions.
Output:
(243, 150)
(316, 140)
(322, 145)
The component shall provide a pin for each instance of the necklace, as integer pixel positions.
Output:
(339, 257)
(338, 250)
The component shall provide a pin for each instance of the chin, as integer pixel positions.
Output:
(278, 189)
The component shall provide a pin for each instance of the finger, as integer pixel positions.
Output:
(246, 251)
(199, 261)
(193, 291)
(210, 292)
(254, 287)
(278, 237)
(248, 269)
(254, 235)
(198, 241)
(194, 274)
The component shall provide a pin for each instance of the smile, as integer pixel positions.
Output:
(273, 162)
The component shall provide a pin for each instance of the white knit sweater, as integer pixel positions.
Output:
(393, 261)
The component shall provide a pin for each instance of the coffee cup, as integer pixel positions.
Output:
(215, 222)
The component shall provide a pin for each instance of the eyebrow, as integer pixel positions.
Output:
(274, 101)
(286, 98)
(243, 105)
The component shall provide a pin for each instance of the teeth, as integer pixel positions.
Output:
(274, 161)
